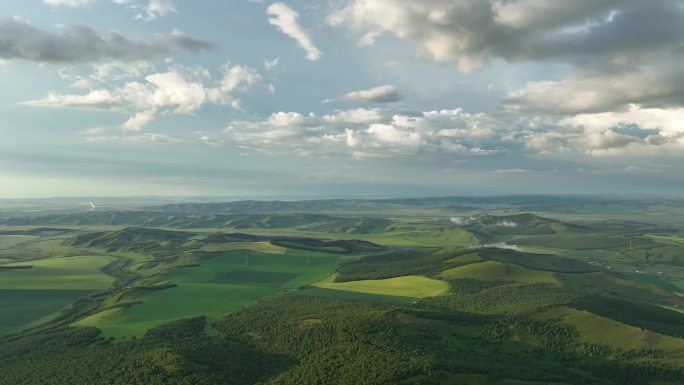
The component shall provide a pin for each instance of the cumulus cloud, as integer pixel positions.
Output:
(615, 52)
(81, 43)
(155, 9)
(355, 116)
(635, 130)
(381, 94)
(365, 133)
(472, 32)
(667, 120)
(603, 90)
(177, 91)
(287, 21)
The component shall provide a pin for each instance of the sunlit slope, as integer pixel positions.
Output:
(408, 286)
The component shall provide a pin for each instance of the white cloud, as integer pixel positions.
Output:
(381, 94)
(393, 136)
(635, 131)
(271, 64)
(603, 90)
(81, 83)
(292, 119)
(286, 20)
(149, 137)
(97, 99)
(172, 89)
(509, 224)
(501, 245)
(139, 120)
(670, 121)
(463, 221)
(210, 141)
(452, 123)
(177, 91)
(155, 9)
(365, 133)
(359, 115)
(67, 3)
(95, 131)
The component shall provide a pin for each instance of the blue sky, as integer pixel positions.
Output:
(340, 98)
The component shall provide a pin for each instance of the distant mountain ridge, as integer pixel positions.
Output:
(151, 219)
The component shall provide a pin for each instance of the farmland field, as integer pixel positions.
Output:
(22, 306)
(213, 286)
(28, 294)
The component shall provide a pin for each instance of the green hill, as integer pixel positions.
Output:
(490, 228)
(131, 239)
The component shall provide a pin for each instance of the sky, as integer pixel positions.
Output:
(340, 98)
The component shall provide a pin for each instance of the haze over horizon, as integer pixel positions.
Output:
(346, 98)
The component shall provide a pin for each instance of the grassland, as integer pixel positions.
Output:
(8, 241)
(408, 286)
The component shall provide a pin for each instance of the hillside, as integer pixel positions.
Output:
(292, 298)
(182, 220)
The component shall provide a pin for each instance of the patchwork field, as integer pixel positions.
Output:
(214, 286)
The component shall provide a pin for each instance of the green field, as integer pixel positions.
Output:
(70, 273)
(8, 241)
(215, 286)
(50, 284)
(22, 306)
(185, 301)
(410, 286)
